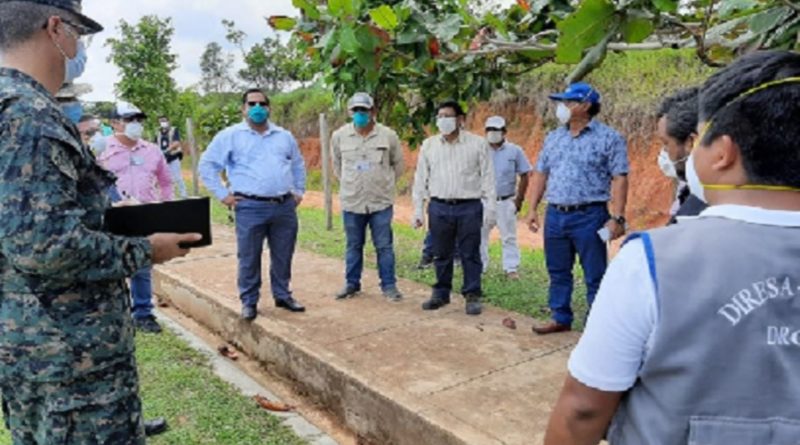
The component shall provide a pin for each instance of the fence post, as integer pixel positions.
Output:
(326, 170)
(193, 154)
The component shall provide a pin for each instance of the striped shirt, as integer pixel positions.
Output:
(461, 170)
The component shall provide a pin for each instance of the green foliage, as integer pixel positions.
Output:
(143, 55)
(411, 54)
(215, 66)
(299, 110)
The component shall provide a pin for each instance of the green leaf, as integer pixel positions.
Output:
(584, 28)
(636, 29)
(767, 20)
(283, 23)
(447, 28)
(309, 9)
(666, 5)
(339, 8)
(730, 7)
(348, 40)
(497, 24)
(366, 40)
(384, 17)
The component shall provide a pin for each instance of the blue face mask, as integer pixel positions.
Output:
(73, 111)
(361, 119)
(258, 114)
(76, 65)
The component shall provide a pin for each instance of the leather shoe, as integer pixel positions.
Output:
(474, 306)
(249, 313)
(347, 292)
(551, 328)
(155, 426)
(435, 303)
(147, 324)
(290, 304)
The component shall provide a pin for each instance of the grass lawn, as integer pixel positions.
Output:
(527, 296)
(177, 383)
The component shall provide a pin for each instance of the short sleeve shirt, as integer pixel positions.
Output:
(509, 162)
(580, 169)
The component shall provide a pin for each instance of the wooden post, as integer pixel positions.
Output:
(193, 154)
(326, 169)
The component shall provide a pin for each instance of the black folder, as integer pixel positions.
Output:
(191, 215)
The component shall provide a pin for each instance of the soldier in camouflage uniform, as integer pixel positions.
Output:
(67, 368)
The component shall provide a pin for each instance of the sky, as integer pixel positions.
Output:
(196, 22)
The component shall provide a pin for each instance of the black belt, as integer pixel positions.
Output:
(272, 199)
(576, 207)
(454, 201)
(503, 198)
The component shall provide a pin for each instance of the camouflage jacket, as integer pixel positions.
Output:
(64, 302)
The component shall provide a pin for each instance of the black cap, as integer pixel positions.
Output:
(85, 24)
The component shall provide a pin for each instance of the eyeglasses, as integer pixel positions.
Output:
(128, 120)
(493, 129)
(253, 104)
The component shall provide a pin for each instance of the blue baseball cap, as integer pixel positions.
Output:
(85, 24)
(578, 92)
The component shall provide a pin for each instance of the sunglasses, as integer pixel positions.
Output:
(128, 120)
(253, 104)
(360, 110)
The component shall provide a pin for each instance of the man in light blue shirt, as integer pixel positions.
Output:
(509, 163)
(266, 175)
(584, 168)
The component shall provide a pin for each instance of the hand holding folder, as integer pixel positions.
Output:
(185, 216)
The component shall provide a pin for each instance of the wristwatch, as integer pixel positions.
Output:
(619, 220)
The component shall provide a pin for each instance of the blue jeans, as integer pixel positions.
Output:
(142, 293)
(380, 225)
(277, 223)
(450, 226)
(567, 234)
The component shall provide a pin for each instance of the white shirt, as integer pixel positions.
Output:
(624, 316)
(459, 170)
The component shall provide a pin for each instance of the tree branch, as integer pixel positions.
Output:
(792, 5)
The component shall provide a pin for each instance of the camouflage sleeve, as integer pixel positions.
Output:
(46, 214)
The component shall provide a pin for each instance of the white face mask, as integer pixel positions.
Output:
(695, 186)
(98, 143)
(447, 125)
(666, 165)
(494, 137)
(164, 125)
(134, 130)
(563, 113)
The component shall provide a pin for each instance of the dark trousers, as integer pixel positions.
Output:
(380, 225)
(454, 225)
(277, 223)
(565, 235)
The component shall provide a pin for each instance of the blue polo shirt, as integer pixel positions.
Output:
(580, 169)
(509, 162)
(262, 164)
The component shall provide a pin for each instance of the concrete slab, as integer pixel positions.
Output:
(391, 372)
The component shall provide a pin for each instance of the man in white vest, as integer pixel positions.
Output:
(695, 333)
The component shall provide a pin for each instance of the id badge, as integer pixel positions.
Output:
(363, 166)
(137, 160)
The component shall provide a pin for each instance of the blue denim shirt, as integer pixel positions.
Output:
(579, 169)
(268, 164)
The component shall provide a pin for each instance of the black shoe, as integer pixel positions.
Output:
(425, 262)
(249, 313)
(474, 306)
(392, 294)
(347, 292)
(290, 304)
(155, 426)
(435, 303)
(147, 324)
